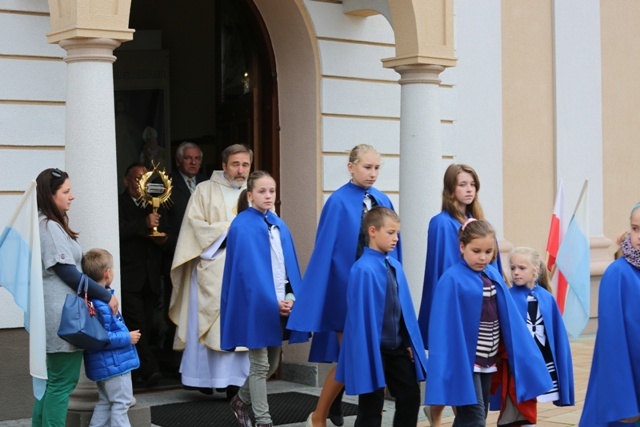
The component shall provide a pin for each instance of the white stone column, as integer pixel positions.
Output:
(90, 160)
(578, 123)
(420, 170)
(90, 148)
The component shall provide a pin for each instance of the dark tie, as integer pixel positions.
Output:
(362, 237)
(532, 308)
(391, 338)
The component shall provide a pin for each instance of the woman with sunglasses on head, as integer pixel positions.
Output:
(61, 272)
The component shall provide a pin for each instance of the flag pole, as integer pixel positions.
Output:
(584, 190)
(23, 200)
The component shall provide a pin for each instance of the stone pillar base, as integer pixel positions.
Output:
(139, 416)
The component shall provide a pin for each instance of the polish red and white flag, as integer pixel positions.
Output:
(556, 233)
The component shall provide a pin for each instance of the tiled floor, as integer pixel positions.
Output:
(548, 414)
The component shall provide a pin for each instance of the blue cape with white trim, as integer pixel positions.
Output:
(249, 312)
(556, 335)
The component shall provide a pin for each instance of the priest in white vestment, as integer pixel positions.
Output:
(196, 273)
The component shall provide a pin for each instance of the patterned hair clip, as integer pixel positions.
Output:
(469, 221)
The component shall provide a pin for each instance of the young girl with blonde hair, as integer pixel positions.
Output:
(340, 240)
(531, 292)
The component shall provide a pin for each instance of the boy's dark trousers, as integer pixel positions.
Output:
(400, 373)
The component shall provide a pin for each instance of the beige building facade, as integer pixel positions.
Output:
(528, 93)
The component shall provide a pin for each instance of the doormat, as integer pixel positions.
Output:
(285, 408)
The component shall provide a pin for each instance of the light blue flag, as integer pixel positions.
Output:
(574, 263)
(21, 274)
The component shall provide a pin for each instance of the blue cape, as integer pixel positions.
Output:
(360, 365)
(249, 312)
(613, 392)
(321, 303)
(443, 251)
(556, 334)
(453, 335)
(325, 347)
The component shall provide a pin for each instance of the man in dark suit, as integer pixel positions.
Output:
(140, 266)
(184, 179)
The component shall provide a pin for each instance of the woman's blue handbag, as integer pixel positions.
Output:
(80, 324)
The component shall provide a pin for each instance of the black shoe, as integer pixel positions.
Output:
(203, 390)
(153, 379)
(336, 419)
(335, 411)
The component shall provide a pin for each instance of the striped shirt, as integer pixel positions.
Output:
(489, 334)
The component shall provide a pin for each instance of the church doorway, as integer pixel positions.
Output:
(196, 71)
(203, 72)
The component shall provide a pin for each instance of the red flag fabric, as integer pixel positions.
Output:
(554, 240)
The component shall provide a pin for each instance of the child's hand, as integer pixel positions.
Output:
(285, 307)
(410, 350)
(113, 303)
(135, 336)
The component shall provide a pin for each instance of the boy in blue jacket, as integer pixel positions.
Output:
(382, 345)
(110, 367)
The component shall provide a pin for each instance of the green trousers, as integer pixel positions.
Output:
(63, 372)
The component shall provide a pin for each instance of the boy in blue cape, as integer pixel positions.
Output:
(382, 345)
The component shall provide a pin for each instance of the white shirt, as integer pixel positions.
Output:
(277, 262)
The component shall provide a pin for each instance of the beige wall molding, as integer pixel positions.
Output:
(367, 8)
(89, 19)
(423, 29)
(600, 255)
(93, 50)
(423, 32)
(419, 73)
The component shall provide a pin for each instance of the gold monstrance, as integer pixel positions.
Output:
(155, 194)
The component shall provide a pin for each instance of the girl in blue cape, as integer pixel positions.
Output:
(321, 303)
(382, 345)
(261, 274)
(532, 295)
(473, 316)
(459, 202)
(613, 393)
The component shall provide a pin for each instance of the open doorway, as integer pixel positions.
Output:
(196, 71)
(201, 72)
